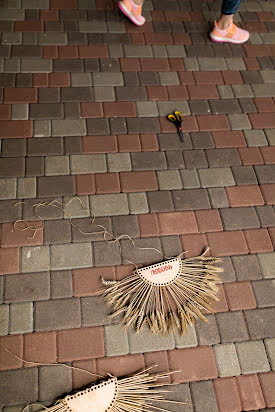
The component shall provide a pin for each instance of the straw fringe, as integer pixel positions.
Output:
(134, 394)
(168, 307)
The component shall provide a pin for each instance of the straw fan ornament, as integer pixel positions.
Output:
(139, 392)
(166, 295)
(131, 394)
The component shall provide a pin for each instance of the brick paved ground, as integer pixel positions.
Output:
(84, 97)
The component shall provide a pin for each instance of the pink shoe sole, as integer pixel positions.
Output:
(128, 14)
(217, 39)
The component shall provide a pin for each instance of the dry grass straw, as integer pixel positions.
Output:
(163, 308)
(166, 307)
(136, 393)
(133, 394)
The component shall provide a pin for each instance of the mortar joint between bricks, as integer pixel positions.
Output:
(267, 355)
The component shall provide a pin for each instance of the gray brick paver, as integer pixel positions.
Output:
(138, 51)
(68, 127)
(215, 177)
(1, 289)
(190, 179)
(169, 179)
(189, 340)
(252, 357)
(147, 109)
(207, 332)
(107, 79)
(4, 320)
(19, 386)
(57, 165)
(145, 341)
(109, 204)
(52, 38)
(35, 65)
(20, 111)
(270, 348)
(28, 287)
(246, 267)
(168, 106)
(61, 284)
(116, 340)
(35, 258)
(181, 393)
(54, 381)
(57, 314)
(267, 264)
(9, 14)
(106, 254)
(138, 203)
(227, 360)
(92, 27)
(21, 318)
(264, 292)
(33, 4)
(239, 121)
(203, 396)
(232, 327)
(68, 256)
(94, 312)
(7, 188)
(26, 187)
(76, 207)
(260, 323)
(263, 90)
(239, 218)
(88, 163)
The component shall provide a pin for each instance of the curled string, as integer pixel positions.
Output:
(107, 236)
(78, 369)
(33, 229)
(29, 407)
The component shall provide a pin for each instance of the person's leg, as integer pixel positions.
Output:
(225, 30)
(132, 9)
(229, 8)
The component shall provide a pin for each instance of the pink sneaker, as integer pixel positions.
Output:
(132, 11)
(232, 34)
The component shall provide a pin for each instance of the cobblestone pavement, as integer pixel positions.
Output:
(85, 96)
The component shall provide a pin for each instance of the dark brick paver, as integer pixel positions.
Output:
(84, 96)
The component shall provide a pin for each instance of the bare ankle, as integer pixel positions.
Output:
(225, 21)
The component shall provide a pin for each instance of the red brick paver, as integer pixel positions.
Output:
(240, 295)
(244, 196)
(9, 261)
(228, 397)
(227, 243)
(195, 364)
(23, 234)
(40, 347)
(13, 344)
(86, 282)
(250, 392)
(177, 223)
(267, 385)
(75, 344)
